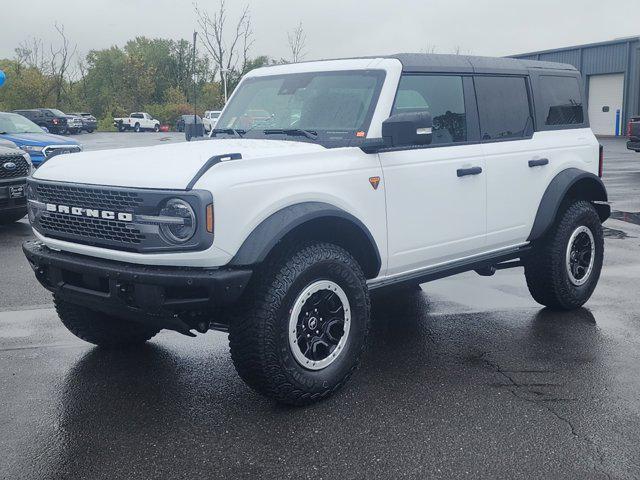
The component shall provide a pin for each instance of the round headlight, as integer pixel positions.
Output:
(185, 221)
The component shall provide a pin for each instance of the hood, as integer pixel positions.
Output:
(6, 150)
(38, 139)
(169, 166)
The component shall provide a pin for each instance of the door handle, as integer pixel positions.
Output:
(539, 162)
(463, 172)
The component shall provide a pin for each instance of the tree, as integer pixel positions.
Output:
(60, 61)
(297, 43)
(226, 47)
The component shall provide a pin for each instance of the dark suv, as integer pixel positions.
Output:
(54, 120)
(89, 122)
(15, 167)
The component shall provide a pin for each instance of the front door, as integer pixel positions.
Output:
(436, 196)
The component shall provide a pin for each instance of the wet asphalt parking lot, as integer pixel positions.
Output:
(468, 378)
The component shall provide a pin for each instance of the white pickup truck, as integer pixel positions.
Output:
(322, 182)
(138, 122)
(210, 119)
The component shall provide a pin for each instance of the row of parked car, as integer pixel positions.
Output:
(38, 140)
(142, 121)
(209, 120)
(56, 121)
(25, 145)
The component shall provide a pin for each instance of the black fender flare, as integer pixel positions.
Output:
(557, 191)
(273, 229)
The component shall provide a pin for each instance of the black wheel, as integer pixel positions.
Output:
(7, 218)
(304, 325)
(89, 130)
(99, 328)
(564, 268)
(137, 128)
(156, 128)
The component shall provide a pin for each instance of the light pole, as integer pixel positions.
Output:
(224, 81)
(195, 100)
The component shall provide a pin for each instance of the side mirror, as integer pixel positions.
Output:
(402, 130)
(408, 129)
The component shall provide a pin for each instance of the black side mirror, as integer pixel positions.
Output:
(408, 129)
(402, 130)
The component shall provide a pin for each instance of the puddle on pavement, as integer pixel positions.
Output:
(613, 233)
(630, 217)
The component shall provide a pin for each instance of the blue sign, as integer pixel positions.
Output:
(3, 77)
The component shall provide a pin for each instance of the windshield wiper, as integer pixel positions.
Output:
(229, 131)
(292, 132)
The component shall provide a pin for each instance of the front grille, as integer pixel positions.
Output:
(91, 228)
(21, 166)
(109, 217)
(89, 197)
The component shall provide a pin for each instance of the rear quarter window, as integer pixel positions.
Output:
(561, 101)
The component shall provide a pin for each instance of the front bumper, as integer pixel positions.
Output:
(166, 297)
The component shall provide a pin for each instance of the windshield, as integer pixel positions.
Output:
(57, 113)
(334, 107)
(14, 123)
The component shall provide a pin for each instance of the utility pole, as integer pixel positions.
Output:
(195, 98)
(224, 80)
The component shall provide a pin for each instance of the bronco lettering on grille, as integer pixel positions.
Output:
(90, 212)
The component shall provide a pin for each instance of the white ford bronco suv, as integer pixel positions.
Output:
(322, 182)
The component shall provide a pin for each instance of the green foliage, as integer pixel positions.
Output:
(153, 75)
(24, 86)
(106, 125)
(168, 113)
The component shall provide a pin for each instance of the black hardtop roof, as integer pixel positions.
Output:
(434, 62)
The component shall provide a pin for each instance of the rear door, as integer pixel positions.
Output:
(436, 195)
(523, 154)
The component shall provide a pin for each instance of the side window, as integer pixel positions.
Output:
(136, 115)
(561, 101)
(503, 107)
(440, 95)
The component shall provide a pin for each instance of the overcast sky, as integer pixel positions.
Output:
(336, 28)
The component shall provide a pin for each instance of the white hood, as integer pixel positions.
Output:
(169, 166)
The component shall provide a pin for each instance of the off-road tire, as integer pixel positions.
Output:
(136, 128)
(7, 218)
(156, 128)
(99, 328)
(258, 332)
(545, 269)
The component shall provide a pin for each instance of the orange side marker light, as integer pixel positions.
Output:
(210, 218)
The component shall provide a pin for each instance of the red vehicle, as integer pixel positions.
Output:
(633, 134)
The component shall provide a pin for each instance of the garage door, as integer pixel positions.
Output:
(605, 99)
